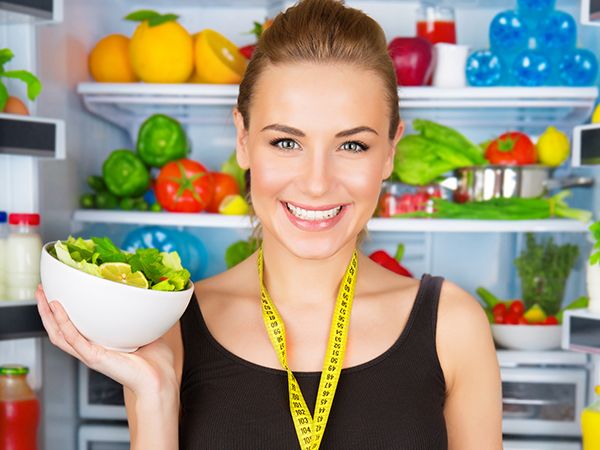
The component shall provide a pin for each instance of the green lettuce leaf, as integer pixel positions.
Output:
(63, 255)
(163, 286)
(172, 260)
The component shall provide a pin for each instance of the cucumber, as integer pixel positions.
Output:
(488, 298)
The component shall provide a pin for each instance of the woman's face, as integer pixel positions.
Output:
(318, 148)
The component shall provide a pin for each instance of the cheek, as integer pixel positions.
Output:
(267, 178)
(364, 182)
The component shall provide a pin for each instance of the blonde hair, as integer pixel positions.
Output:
(322, 31)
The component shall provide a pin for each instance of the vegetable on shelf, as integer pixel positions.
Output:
(161, 139)
(257, 31)
(34, 86)
(544, 269)
(239, 251)
(184, 186)
(595, 255)
(422, 158)
(513, 147)
(384, 259)
(505, 209)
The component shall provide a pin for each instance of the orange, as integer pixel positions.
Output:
(218, 60)
(163, 53)
(109, 60)
(15, 105)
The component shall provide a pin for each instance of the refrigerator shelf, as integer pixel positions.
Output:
(531, 109)
(35, 13)
(20, 319)
(207, 220)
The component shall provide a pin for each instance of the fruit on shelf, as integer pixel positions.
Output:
(14, 105)
(413, 60)
(217, 59)
(512, 147)
(553, 147)
(161, 50)
(161, 139)
(225, 185)
(34, 87)
(257, 31)
(234, 205)
(109, 60)
(184, 186)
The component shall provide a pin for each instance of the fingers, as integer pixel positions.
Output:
(49, 322)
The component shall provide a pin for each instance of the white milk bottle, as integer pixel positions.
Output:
(3, 233)
(23, 250)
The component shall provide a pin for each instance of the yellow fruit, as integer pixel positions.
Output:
(234, 205)
(218, 60)
(109, 60)
(162, 54)
(553, 147)
(596, 114)
(121, 273)
(535, 314)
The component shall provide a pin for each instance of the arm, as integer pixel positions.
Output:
(473, 409)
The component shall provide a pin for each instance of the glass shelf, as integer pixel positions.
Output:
(20, 319)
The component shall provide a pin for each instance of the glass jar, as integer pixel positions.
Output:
(436, 23)
(19, 410)
(23, 251)
(3, 235)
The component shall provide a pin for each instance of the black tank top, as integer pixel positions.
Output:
(394, 401)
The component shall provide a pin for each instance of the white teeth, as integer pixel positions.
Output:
(311, 214)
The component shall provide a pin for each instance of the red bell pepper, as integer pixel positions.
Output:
(382, 258)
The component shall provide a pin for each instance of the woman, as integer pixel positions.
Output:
(317, 124)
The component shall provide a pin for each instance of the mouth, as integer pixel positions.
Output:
(314, 214)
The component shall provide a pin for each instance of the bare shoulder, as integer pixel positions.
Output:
(463, 332)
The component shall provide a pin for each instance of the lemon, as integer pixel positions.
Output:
(596, 114)
(234, 205)
(121, 273)
(553, 147)
(535, 314)
(163, 53)
(109, 60)
(218, 60)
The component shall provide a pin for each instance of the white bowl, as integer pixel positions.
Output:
(114, 315)
(527, 337)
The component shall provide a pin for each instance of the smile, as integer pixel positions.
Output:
(312, 214)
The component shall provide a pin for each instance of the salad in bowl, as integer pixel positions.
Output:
(117, 299)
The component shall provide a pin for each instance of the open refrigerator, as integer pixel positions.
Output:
(52, 38)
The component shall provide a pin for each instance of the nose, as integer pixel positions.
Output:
(318, 174)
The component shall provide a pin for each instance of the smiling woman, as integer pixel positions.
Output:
(308, 343)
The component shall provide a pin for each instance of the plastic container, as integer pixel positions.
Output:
(590, 425)
(578, 67)
(531, 68)
(23, 250)
(399, 198)
(534, 12)
(556, 34)
(484, 68)
(3, 235)
(19, 410)
(436, 23)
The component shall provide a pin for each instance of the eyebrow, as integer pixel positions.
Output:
(299, 133)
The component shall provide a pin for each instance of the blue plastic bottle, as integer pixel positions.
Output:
(509, 36)
(556, 35)
(531, 68)
(484, 68)
(578, 67)
(533, 12)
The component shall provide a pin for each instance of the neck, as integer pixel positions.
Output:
(296, 281)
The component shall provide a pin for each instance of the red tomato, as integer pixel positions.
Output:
(511, 318)
(511, 148)
(518, 307)
(184, 186)
(523, 321)
(550, 320)
(499, 318)
(225, 185)
(499, 309)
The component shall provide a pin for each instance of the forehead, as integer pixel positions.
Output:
(323, 96)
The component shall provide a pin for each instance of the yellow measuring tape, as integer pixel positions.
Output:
(310, 430)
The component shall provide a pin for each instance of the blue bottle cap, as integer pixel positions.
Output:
(3, 217)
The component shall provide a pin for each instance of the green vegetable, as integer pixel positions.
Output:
(125, 174)
(96, 183)
(127, 203)
(422, 158)
(578, 303)
(161, 139)
(232, 168)
(34, 87)
(505, 209)
(162, 270)
(87, 201)
(155, 207)
(489, 299)
(106, 200)
(239, 251)
(595, 256)
(543, 269)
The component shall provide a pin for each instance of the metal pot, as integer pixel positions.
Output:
(478, 183)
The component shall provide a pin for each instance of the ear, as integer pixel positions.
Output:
(389, 158)
(241, 140)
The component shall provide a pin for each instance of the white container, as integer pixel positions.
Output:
(23, 249)
(3, 235)
(114, 315)
(593, 286)
(527, 337)
(450, 64)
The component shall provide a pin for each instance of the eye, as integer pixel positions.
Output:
(285, 144)
(355, 146)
